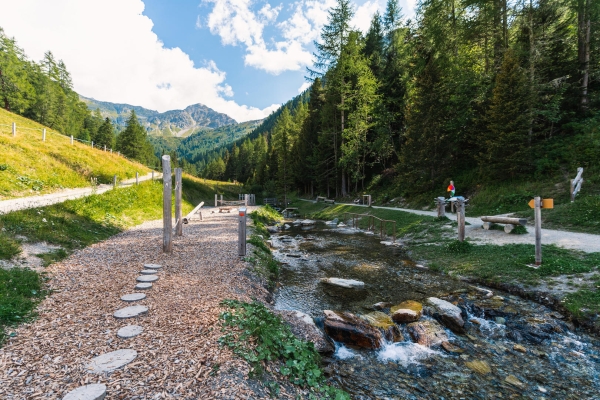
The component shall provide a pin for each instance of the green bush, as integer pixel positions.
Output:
(458, 247)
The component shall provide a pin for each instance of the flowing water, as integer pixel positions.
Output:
(513, 348)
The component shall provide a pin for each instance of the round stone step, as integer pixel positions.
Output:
(147, 278)
(96, 391)
(111, 361)
(133, 297)
(143, 286)
(129, 331)
(148, 272)
(152, 266)
(130, 312)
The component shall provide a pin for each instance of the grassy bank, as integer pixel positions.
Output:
(76, 224)
(30, 166)
(432, 241)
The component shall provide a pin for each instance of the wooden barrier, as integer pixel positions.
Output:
(371, 224)
(195, 211)
(576, 184)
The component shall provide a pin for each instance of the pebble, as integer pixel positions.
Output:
(147, 278)
(96, 391)
(152, 266)
(143, 286)
(111, 361)
(519, 348)
(130, 312)
(133, 297)
(129, 331)
(513, 380)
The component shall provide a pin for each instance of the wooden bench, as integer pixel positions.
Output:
(330, 201)
(510, 223)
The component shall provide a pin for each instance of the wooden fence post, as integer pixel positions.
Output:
(44, 135)
(104, 147)
(242, 232)
(72, 139)
(460, 216)
(167, 221)
(576, 184)
(441, 207)
(137, 178)
(538, 229)
(92, 143)
(152, 175)
(110, 151)
(114, 182)
(178, 216)
(14, 129)
(216, 199)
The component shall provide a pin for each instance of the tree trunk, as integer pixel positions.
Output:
(583, 47)
(531, 72)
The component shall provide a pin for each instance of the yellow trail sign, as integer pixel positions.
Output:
(546, 203)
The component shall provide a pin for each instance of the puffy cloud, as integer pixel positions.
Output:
(304, 86)
(124, 62)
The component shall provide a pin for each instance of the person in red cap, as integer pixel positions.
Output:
(451, 189)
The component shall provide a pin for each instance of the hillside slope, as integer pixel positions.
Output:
(30, 166)
(179, 123)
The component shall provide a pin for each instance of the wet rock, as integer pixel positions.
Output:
(345, 283)
(347, 328)
(384, 322)
(485, 292)
(513, 380)
(447, 313)
(451, 348)
(272, 229)
(479, 366)
(303, 327)
(381, 305)
(286, 226)
(407, 311)
(294, 255)
(427, 333)
(308, 222)
(519, 348)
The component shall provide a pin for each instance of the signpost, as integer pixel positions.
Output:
(242, 232)
(537, 204)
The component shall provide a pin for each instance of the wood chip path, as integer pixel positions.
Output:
(178, 352)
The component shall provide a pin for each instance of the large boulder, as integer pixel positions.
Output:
(385, 324)
(349, 329)
(303, 327)
(345, 283)
(446, 313)
(407, 311)
(427, 333)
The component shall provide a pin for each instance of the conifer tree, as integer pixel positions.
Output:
(133, 142)
(105, 135)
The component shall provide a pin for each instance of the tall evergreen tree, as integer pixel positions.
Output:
(133, 142)
(105, 135)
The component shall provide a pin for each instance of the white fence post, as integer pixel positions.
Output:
(71, 139)
(44, 135)
(92, 144)
(14, 129)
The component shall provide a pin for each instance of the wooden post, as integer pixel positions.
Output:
(460, 217)
(246, 199)
(72, 140)
(538, 229)
(92, 143)
(441, 207)
(152, 175)
(104, 147)
(576, 184)
(44, 135)
(114, 182)
(137, 178)
(178, 216)
(242, 232)
(110, 151)
(216, 199)
(221, 199)
(167, 222)
(14, 129)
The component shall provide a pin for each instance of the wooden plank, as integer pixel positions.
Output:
(505, 220)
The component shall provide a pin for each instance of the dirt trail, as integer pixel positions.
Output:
(23, 203)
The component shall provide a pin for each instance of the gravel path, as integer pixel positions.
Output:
(23, 203)
(585, 242)
(178, 355)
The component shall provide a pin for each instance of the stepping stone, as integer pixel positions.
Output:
(133, 297)
(129, 331)
(152, 266)
(97, 391)
(130, 312)
(143, 286)
(147, 278)
(110, 362)
(148, 272)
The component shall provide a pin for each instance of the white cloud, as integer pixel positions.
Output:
(121, 62)
(304, 86)
(198, 23)
(364, 14)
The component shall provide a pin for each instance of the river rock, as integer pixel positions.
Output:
(272, 229)
(345, 283)
(304, 328)
(407, 311)
(513, 380)
(384, 322)
(451, 348)
(447, 313)
(479, 366)
(381, 305)
(347, 328)
(427, 333)
(308, 222)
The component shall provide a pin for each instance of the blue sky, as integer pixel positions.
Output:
(240, 57)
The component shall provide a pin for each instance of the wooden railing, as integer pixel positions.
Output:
(371, 221)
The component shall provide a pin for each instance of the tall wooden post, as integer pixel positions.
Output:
(460, 217)
(72, 140)
(441, 207)
(137, 178)
(114, 182)
(92, 142)
(538, 229)
(216, 199)
(44, 135)
(178, 216)
(242, 232)
(104, 147)
(152, 175)
(14, 129)
(167, 221)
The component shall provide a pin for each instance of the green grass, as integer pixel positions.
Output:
(262, 261)
(31, 167)
(20, 291)
(258, 336)
(9, 247)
